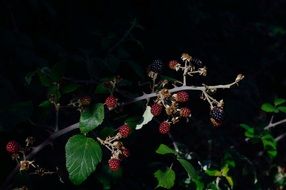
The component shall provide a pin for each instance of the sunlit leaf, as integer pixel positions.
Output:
(82, 156)
(267, 107)
(147, 117)
(164, 149)
(166, 179)
(91, 118)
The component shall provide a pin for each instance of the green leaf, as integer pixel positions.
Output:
(224, 170)
(164, 149)
(101, 89)
(45, 104)
(147, 117)
(68, 88)
(282, 109)
(270, 145)
(132, 121)
(279, 101)
(229, 180)
(82, 156)
(249, 131)
(267, 107)
(92, 118)
(213, 173)
(192, 173)
(166, 179)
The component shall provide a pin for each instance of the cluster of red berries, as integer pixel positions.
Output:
(119, 151)
(170, 103)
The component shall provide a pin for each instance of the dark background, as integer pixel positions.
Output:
(230, 37)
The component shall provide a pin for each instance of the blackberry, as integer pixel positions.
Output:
(216, 116)
(156, 66)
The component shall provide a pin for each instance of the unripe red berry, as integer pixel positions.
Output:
(181, 96)
(185, 112)
(173, 64)
(124, 130)
(12, 147)
(114, 164)
(164, 127)
(111, 102)
(156, 109)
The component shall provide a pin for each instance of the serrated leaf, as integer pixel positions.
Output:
(164, 149)
(91, 118)
(147, 117)
(279, 101)
(166, 179)
(192, 173)
(282, 109)
(82, 156)
(68, 88)
(267, 107)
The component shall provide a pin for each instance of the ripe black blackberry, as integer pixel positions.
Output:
(216, 116)
(156, 66)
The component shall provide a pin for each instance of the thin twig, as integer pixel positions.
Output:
(174, 143)
(134, 22)
(270, 125)
(39, 148)
(280, 137)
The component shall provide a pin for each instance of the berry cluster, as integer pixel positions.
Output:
(118, 150)
(81, 103)
(171, 104)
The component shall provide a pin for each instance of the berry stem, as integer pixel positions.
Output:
(174, 143)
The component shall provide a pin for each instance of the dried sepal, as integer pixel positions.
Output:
(186, 57)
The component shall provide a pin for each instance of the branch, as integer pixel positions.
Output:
(270, 125)
(181, 88)
(143, 97)
(38, 149)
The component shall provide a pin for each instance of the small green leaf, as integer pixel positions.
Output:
(68, 88)
(92, 118)
(166, 179)
(224, 170)
(147, 117)
(82, 156)
(132, 121)
(229, 180)
(164, 149)
(270, 145)
(282, 109)
(45, 104)
(101, 89)
(192, 173)
(249, 131)
(279, 101)
(267, 107)
(213, 173)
